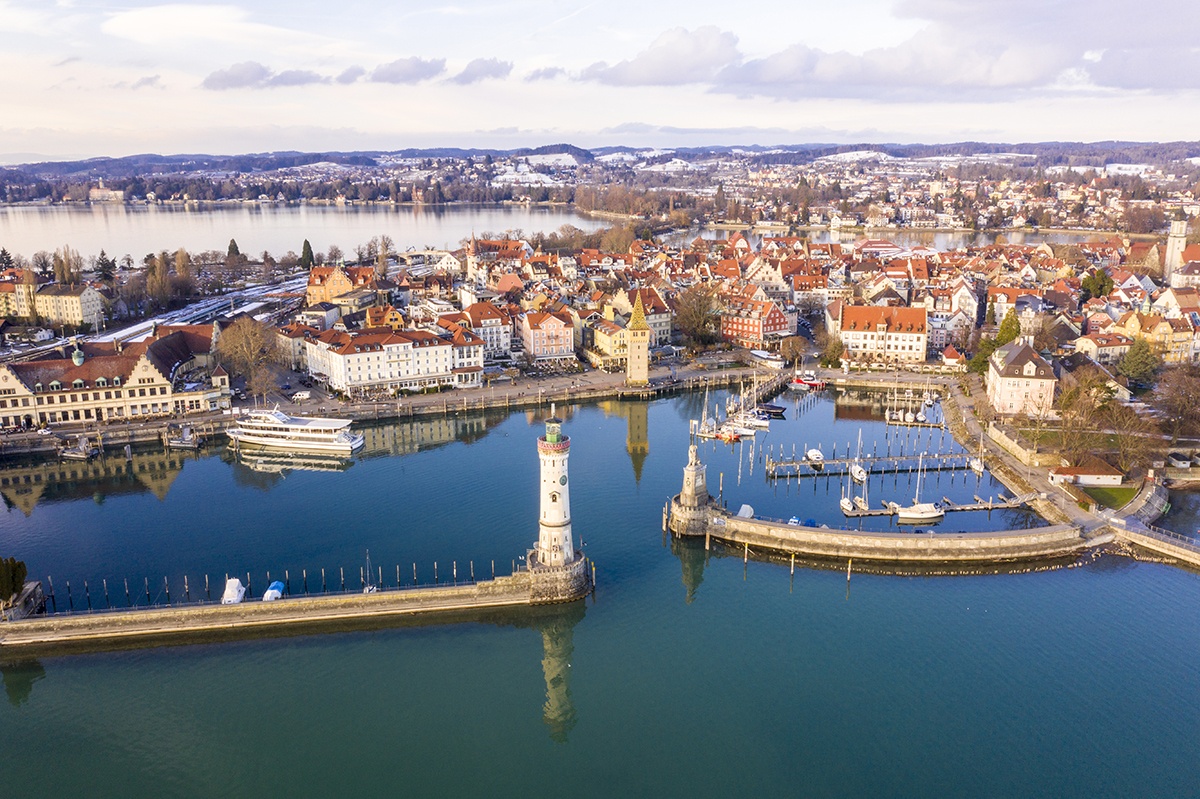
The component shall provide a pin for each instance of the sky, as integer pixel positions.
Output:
(81, 78)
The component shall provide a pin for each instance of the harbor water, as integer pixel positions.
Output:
(688, 673)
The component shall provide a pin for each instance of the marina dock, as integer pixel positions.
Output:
(892, 509)
(874, 464)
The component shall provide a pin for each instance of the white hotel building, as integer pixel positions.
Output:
(406, 360)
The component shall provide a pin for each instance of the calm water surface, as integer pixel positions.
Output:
(685, 675)
(139, 229)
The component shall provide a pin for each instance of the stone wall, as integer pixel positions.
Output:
(523, 588)
(1041, 542)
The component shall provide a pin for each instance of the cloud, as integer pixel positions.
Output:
(296, 77)
(408, 70)
(678, 56)
(245, 75)
(546, 73)
(350, 75)
(253, 75)
(67, 60)
(482, 69)
(148, 82)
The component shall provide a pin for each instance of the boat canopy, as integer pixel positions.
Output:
(274, 591)
(234, 592)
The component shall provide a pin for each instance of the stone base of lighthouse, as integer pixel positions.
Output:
(564, 583)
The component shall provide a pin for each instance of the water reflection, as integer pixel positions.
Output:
(637, 431)
(28, 481)
(693, 559)
(558, 644)
(19, 677)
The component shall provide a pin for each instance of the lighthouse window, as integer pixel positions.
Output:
(554, 497)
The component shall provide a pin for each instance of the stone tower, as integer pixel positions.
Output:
(695, 481)
(637, 333)
(1176, 242)
(554, 547)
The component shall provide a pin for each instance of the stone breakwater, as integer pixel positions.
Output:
(712, 522)
(529, 587)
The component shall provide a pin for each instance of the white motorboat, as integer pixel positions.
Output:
(921, 417)
(815, 456)
(274, 429)
(910, 417)
(847, 505)
(976, 464)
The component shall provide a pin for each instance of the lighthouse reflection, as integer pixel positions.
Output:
(558, 644)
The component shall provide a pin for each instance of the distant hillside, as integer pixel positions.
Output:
(1045, 153)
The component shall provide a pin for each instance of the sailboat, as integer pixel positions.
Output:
(919, 512)
(846, 503)
(856, 469)
(861, 502)
(976, 462)
(370, 586)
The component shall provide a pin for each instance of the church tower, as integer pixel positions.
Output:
(554, 547)
(637, 333)
(1176, 241)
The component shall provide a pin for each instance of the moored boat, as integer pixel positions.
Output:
(274, 429)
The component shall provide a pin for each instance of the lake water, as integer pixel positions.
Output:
(686, 674)
(139, 229)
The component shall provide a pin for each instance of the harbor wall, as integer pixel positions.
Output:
(524, 588)
(714, 522)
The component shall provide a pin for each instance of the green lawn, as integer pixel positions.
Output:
(1111, 497)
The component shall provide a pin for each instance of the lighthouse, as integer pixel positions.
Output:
(554, 546)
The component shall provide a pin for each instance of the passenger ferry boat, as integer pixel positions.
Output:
(275, 430)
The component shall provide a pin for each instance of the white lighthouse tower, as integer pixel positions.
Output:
(554, 547)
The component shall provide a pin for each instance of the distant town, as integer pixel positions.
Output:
(1090, 347)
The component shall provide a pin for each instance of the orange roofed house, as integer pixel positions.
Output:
(548, 336)
(874, 334)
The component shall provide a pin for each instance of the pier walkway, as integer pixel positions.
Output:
(874, 464)
(100, 629)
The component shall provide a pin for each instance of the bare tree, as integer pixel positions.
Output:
(248, 348)
(697, 314)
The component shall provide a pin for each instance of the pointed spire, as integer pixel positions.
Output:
(637, 319)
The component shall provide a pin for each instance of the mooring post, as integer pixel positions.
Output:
(745, 552)
(167, 589)
(249, 590)
(397, 575)
(414, 573)
(70, 601)
(493, 568)
(380, 570)
(187, 592)
(207, 592)
(454, 573)
(342, 572)
(147, 580)
(435, 578)
(323, 588)
(472, 571)
(362, 577)
(793, 563)
(87, 594)
(107, 604)
(304, 578)
(287, 582)
(128, 601)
